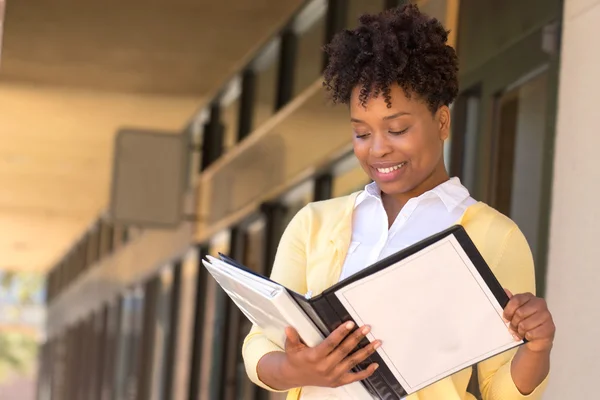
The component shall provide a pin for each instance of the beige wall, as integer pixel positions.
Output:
(574, 267)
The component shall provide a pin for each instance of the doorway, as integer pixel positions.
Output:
(502, 141)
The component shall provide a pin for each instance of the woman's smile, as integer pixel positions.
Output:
(388, 172)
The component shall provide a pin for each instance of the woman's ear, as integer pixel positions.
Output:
(443, 120)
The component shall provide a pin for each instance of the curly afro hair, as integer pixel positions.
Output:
(400, 45)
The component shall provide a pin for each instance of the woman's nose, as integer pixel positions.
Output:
(380, 146)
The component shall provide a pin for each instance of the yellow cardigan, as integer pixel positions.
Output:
(311, 255)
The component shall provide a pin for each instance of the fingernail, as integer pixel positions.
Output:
(366, 330)
(375, 367)
(514, 334)
(377, 345)
(350, 325)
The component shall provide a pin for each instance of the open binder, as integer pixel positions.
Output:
(436, 306)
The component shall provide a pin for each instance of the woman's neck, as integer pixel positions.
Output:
(394, 203)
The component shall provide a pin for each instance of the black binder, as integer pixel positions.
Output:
(327, 312)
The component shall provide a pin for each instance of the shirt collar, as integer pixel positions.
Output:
(452, 193)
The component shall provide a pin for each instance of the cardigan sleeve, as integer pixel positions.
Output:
(515, 271)
(289, 269)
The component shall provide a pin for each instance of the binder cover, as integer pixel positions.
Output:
(436, 306)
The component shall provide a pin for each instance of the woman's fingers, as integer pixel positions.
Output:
(516, 302)
(351, 377)
(293, 341)
(356, 358)
(348, 345)
(333, 340)
(330, 363)
(530, 323)
(522, 313)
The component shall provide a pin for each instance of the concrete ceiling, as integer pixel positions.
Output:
(73, 72)
(182, 47)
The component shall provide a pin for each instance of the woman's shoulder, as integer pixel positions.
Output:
(494, 233)
(483, 216)
(333, 207)
(327, 214)
(503, 246)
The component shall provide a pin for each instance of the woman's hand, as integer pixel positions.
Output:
(530, 319)
(329, 363)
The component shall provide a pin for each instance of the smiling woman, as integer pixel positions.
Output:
(398, 74)
(400, 145)
(399, 105)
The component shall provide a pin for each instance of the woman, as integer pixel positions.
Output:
(398, 76)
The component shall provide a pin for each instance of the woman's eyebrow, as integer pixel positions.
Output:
(387, 117)
(398, 114)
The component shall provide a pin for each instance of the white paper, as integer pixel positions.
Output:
(439, 315)
(270, 306)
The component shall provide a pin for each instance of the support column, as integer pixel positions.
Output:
(573, 275)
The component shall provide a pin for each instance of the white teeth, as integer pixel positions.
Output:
(390, 169)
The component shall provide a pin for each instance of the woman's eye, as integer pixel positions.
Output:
(398, 132)
(361, 135)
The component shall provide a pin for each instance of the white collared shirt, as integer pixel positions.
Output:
(372, 241)
(420, 218)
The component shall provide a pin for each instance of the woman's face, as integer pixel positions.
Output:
(400, 148)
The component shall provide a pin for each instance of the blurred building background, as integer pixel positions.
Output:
(138, 136)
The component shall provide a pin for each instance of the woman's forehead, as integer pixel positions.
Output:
(397, 103)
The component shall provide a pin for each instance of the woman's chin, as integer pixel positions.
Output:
(394, 187)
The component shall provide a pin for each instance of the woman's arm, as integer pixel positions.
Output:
(529, 369)
(327, 364)
(522, 374)
(530, 319)
(270, 370)
(289, 269)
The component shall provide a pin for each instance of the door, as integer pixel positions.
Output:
(503, 119)
(503, 133)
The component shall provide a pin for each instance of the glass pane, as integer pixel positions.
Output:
(111, 350)
(254, 244)
(123, 347)
(310, 27)
(131, 324)
(296, 199)
(214, 322)
(266, 67)
(521, 135)
(447, 11)
(161, 333)
(434, 8)
(196, 136)
(185, 330)
(231, 112)
(356, 8)
(136, 340)
(348, 177)
(461, 149)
